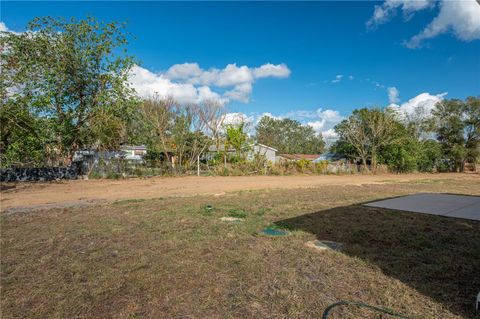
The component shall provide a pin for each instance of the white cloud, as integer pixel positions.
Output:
(424, 102)
(461, 17)
(326, 120)
(234, 75)
(329, 136)
(188, 82)
(331, 116)
(302, 114)
(4, 28)
(337, 79)
(237, 118)
(241, 92)
(382, 13)
(271, 70)
(147, 83)
(351, 77)
(393, 94)
(183, 71)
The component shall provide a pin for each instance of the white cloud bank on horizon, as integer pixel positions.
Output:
(424, 102)
(3, 27)
(460, 17)
(188, 83)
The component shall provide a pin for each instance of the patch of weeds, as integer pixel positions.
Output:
(208, 209)
(262, 211)
(237, 213)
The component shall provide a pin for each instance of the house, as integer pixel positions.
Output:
(251, 151)
(296, 157)
(128, 152)
(133, 152)
(87, 159)
(263, 150)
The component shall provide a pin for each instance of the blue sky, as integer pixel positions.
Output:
(320, 56)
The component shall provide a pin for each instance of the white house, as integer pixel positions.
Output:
(252, 150)
(270, 153)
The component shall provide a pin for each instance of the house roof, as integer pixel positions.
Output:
(134, 147)
(221, 147)
(309, 157)
(265, 146)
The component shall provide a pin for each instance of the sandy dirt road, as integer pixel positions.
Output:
(30, 196)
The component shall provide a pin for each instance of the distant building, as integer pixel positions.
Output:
(87, 159)
(133, 152)
(251, 150)
(296, 157)
(127, 152)
(263, 150)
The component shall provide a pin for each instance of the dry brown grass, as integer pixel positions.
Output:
(164, 258)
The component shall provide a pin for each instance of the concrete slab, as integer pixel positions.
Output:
(460, 206)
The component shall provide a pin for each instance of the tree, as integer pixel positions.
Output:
(237, 138)
(289, 136)
(66, 73)
(456, 124)
(170, 128)
(367, 130)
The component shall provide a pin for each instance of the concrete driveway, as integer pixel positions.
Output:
(450, 205)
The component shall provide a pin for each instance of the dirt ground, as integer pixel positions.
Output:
(176, 257)
(22, 197)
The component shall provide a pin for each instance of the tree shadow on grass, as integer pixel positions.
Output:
(437, 256)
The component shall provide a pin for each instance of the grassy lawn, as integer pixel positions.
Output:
(174, 257)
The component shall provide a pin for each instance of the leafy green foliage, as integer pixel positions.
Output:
(289, 136)
(236, 137)
(456, 124)
(367, 131)
(65, 75)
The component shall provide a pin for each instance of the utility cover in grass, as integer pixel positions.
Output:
(324, 245)
(231, 219)
(270, 231)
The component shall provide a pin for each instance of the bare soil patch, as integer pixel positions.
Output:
(23, 197)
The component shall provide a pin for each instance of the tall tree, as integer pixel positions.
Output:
(289, 136)
(74, 75)
(457, 126)
(367, 130)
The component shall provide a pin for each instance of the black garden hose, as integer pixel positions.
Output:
(361, 304)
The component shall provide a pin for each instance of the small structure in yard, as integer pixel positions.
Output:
(275, 232)
(231, 219)
(323, 245)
